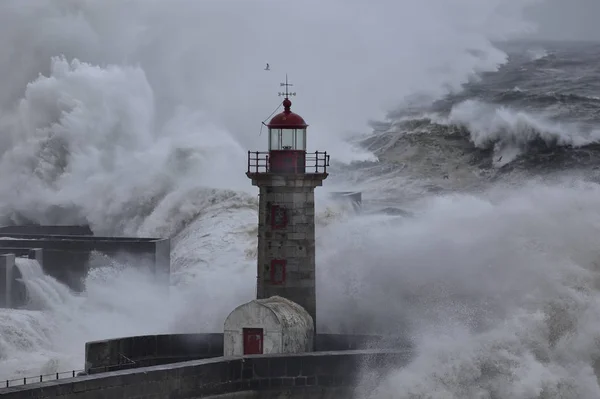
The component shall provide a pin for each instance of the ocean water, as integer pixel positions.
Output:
(477, 159)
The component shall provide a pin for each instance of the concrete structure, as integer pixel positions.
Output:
(67, 251)
(7, 267)
(353, 198)
(149, 350)
(272, 325)
(307, 375)
(287, 177)
(36, 229)
(13, 293)
(66, 257)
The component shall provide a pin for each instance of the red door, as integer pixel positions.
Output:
(253, 341)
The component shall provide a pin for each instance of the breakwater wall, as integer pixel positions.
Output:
(316, 374)
(149, 350)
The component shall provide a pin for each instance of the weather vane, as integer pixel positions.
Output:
(287, 85)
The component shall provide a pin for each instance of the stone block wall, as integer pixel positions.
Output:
(288, 242)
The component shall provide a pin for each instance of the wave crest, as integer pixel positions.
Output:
(83, 147)
(511, 132)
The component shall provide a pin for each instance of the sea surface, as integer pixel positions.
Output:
(477, 158)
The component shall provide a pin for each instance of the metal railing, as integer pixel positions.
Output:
(41, 378)
(315, 162)
(319, 160)
(128, 364)
(258, 162)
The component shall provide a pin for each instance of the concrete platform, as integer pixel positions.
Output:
(67, 249)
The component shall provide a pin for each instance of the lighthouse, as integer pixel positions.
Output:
(287, 176)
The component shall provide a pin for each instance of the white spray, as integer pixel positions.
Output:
(140, 119)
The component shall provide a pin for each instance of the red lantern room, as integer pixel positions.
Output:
(287, 141)
(287, 145)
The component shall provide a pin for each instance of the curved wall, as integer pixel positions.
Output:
(149, 350)
(317, 374)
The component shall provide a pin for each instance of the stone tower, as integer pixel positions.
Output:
(287, 176)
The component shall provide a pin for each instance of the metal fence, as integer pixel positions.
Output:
(128, 364)
(41, 378)
(313, 162)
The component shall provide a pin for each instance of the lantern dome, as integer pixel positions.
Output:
(287, 119)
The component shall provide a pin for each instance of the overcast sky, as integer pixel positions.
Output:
(567, 19)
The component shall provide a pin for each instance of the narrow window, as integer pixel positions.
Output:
(278, 217)
(278, 271)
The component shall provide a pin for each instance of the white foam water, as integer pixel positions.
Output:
(498, 291)
(31, 327)
(43, 292)
(509, 131)
(136, 119)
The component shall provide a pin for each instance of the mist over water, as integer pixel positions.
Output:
(498, 292)
(136, 119)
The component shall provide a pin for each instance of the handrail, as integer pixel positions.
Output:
(70, 374)
(41, 378)
(259, 162)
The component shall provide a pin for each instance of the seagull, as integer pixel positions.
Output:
(267, 68)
